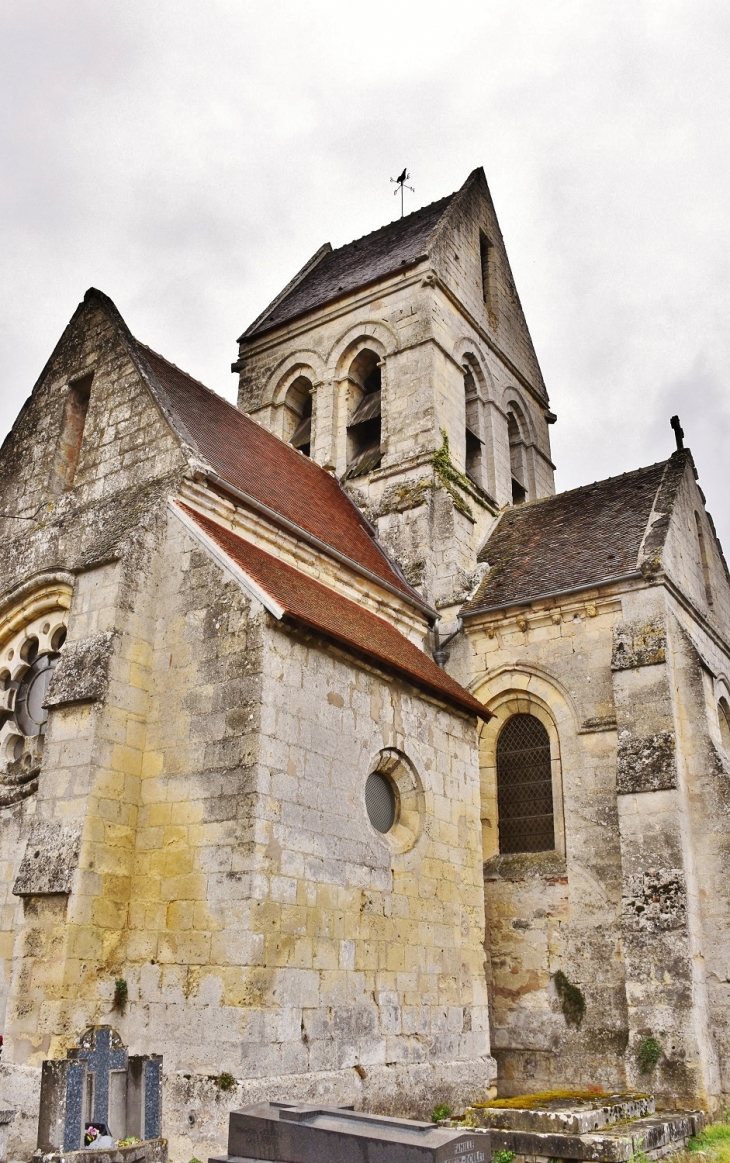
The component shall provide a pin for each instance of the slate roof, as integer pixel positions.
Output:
(274, 474)
(314, 606)
(579, 538)
(355, 265)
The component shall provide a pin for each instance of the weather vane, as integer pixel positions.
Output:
(400, 184)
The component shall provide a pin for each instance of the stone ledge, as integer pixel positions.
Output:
(524, 865)
(50, 859)
(81, 674)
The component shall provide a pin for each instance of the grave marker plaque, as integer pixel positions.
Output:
(287, 1133)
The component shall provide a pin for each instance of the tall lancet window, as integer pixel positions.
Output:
(474, 466)
(516, 460)
(298, 415)
(364, 449)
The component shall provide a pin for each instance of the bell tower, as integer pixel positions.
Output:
(402, 363)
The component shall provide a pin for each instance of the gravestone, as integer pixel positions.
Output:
(278, 1132)
(6, 1118)
(99, 1083)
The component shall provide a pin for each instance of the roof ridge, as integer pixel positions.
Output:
(592, 484)
(188, 376)
(396, 221)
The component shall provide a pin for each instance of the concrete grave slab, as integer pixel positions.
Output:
(284, 1133)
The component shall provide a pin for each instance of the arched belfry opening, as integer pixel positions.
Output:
(298, 415)
(473, 427)
(518, 467)
(364, 433)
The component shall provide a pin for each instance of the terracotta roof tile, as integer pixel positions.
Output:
(313, 605)
(355, 265)
(579, 538)
(250, 458)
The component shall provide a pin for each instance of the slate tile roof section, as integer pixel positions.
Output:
(312, 605)
(579, 538)
(250, 458)
(355, 265)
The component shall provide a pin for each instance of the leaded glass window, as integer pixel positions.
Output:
(524, 786)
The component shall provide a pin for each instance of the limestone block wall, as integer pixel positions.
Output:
(562, 910)
(663, 937)
(266, 915)
(703, 766)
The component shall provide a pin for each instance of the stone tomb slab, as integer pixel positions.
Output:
(287, 1133)
(566, 1115)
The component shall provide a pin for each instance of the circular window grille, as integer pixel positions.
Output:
(380, 801)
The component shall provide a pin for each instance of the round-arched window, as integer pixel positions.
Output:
(380, 801)
(723, 714)
(524, 786)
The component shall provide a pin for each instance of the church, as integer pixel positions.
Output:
(340, 758)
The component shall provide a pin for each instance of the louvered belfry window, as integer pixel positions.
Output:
(524, 786)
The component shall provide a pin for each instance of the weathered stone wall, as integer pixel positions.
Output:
(627, 685)
(268, 919)
(560, 911)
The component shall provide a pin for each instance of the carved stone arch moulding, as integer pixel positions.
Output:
(467, 350)
(514, 401)
(410, 802)
(303, 363)
(517, 692)
(33, 625)
(373, 334)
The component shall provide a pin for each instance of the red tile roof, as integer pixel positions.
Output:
(363, 261)
(272, 472)
(313, 605)
(583, 537)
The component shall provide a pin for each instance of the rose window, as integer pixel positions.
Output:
(27, 662)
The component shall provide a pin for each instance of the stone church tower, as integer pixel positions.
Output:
(376, 771)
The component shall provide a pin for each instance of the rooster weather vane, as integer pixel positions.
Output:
(400, 184)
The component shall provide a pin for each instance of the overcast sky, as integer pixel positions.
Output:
(187, 156)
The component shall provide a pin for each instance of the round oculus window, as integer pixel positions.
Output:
(380, 801)
(30, 714)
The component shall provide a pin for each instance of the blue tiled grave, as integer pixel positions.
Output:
(99, 1082)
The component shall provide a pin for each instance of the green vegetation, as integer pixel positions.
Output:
(503, 1156)
(121, 993)
(440, 1112)
(450, 476)
(714, 1142)
(225, 1081)
(572, 1002)
(648, 1054)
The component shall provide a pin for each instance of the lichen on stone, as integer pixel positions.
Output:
(646, 762)
(640, 643)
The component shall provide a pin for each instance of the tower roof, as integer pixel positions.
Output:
(330, 273)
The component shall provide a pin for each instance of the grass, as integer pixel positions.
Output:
(714, 1142)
